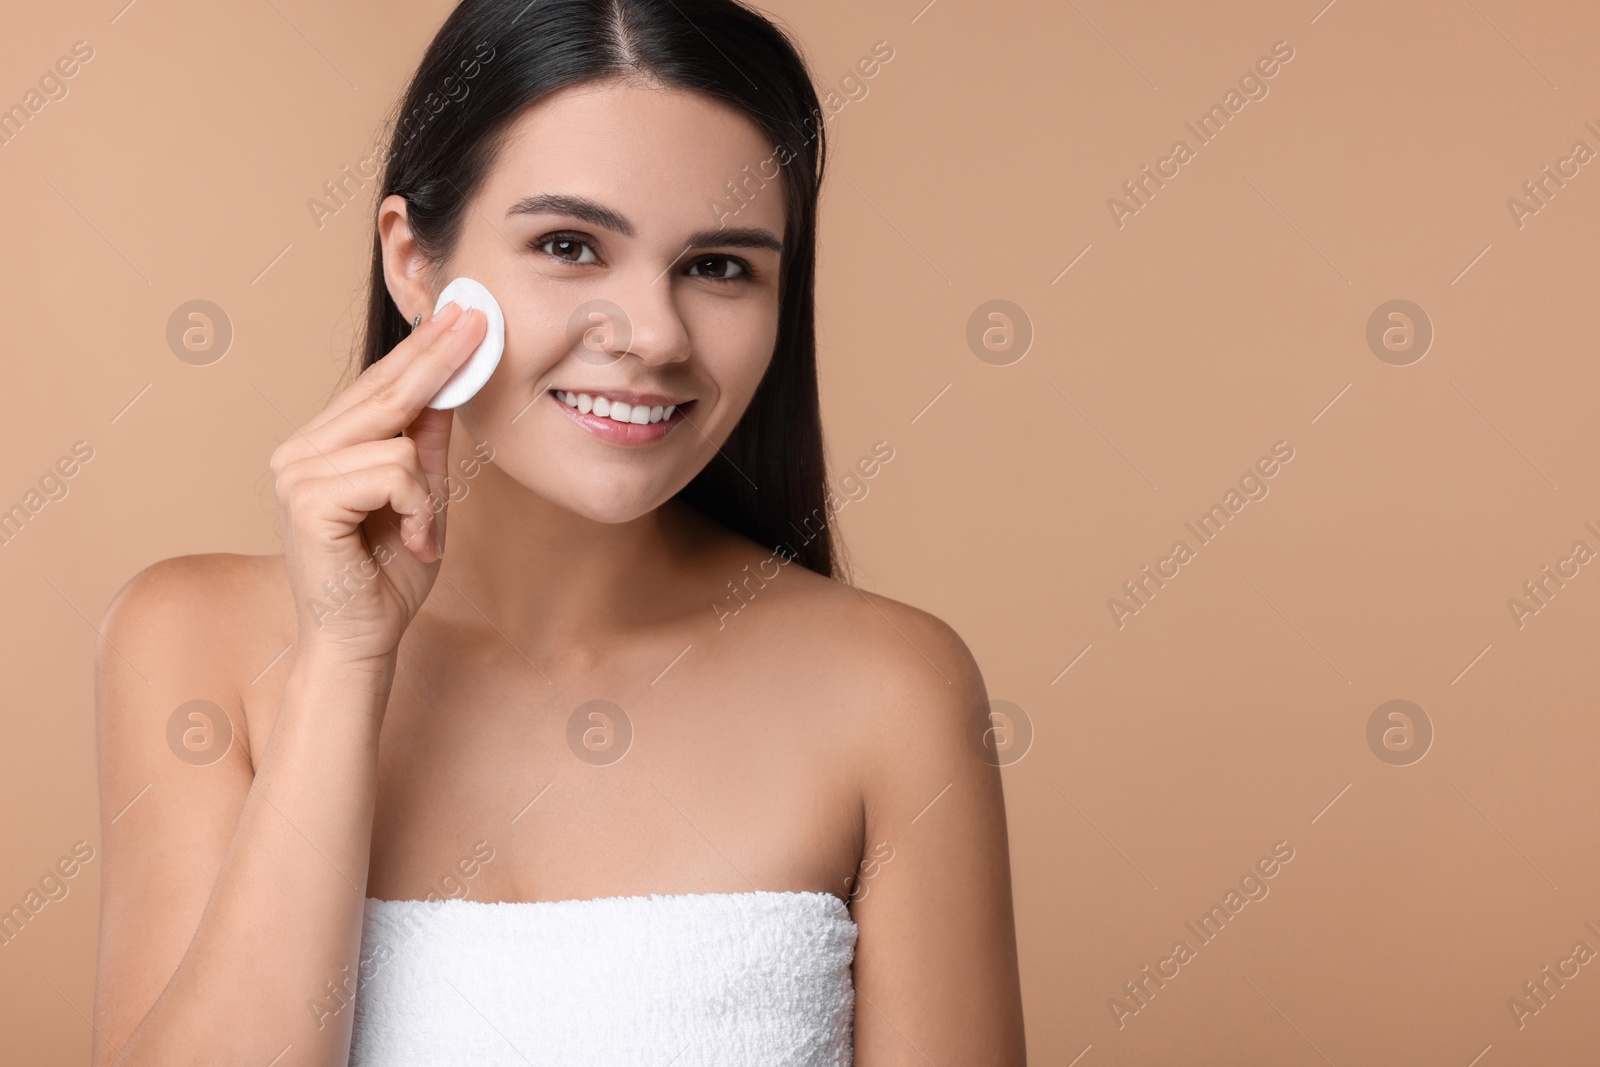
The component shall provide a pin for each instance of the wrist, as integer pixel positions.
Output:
(331, 664)
(332, 656)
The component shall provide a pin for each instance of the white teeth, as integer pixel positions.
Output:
(616, 410)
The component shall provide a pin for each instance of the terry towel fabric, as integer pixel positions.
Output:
(758, 979)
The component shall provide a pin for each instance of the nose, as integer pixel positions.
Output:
(636, 315)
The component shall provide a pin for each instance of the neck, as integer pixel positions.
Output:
(548, 580)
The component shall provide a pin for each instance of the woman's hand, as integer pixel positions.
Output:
(362, 511)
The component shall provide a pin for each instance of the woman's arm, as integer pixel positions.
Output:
(936, 964)
(230, 896)
(234, 893)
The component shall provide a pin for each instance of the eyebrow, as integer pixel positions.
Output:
(599, 215)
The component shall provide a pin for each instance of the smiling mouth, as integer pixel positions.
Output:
(632, 409)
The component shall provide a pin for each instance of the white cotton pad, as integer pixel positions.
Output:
(464, 384)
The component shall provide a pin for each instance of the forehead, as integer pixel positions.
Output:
(662, 157)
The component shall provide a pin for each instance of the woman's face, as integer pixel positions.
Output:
(608, 232)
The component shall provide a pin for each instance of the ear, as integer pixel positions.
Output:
(406, 271)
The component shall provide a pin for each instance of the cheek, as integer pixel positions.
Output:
(536, 340)
(534, 346)
(736, 380)
(738, 357)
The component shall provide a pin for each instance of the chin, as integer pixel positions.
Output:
(628, 511)
(609, 500)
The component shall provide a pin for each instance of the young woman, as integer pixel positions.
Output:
(622, 770)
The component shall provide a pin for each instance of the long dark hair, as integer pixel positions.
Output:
(507, 54)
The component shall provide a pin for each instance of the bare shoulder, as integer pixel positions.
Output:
(900, 680)
(215, 595)
(931, 652)
(188, 586)
(884, 645)
(195, 624)
(923, 694)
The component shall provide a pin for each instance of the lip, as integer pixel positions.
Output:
(627, 434)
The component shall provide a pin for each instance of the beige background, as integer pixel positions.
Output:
(1228, 314)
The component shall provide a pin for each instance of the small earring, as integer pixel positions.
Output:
(416, 321)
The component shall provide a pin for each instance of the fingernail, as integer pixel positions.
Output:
(444, 313)
(461, 320)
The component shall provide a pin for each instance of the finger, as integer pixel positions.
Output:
(393, 451)
(346, 500)
(385, 527)
(392, 405)
(396, 362)
(401, 450)
(389, 391)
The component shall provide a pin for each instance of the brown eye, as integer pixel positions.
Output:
(717, 262)
(568, 249)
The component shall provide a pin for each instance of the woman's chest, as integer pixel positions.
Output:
(588, 784)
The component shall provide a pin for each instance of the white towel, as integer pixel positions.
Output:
(682, 980)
